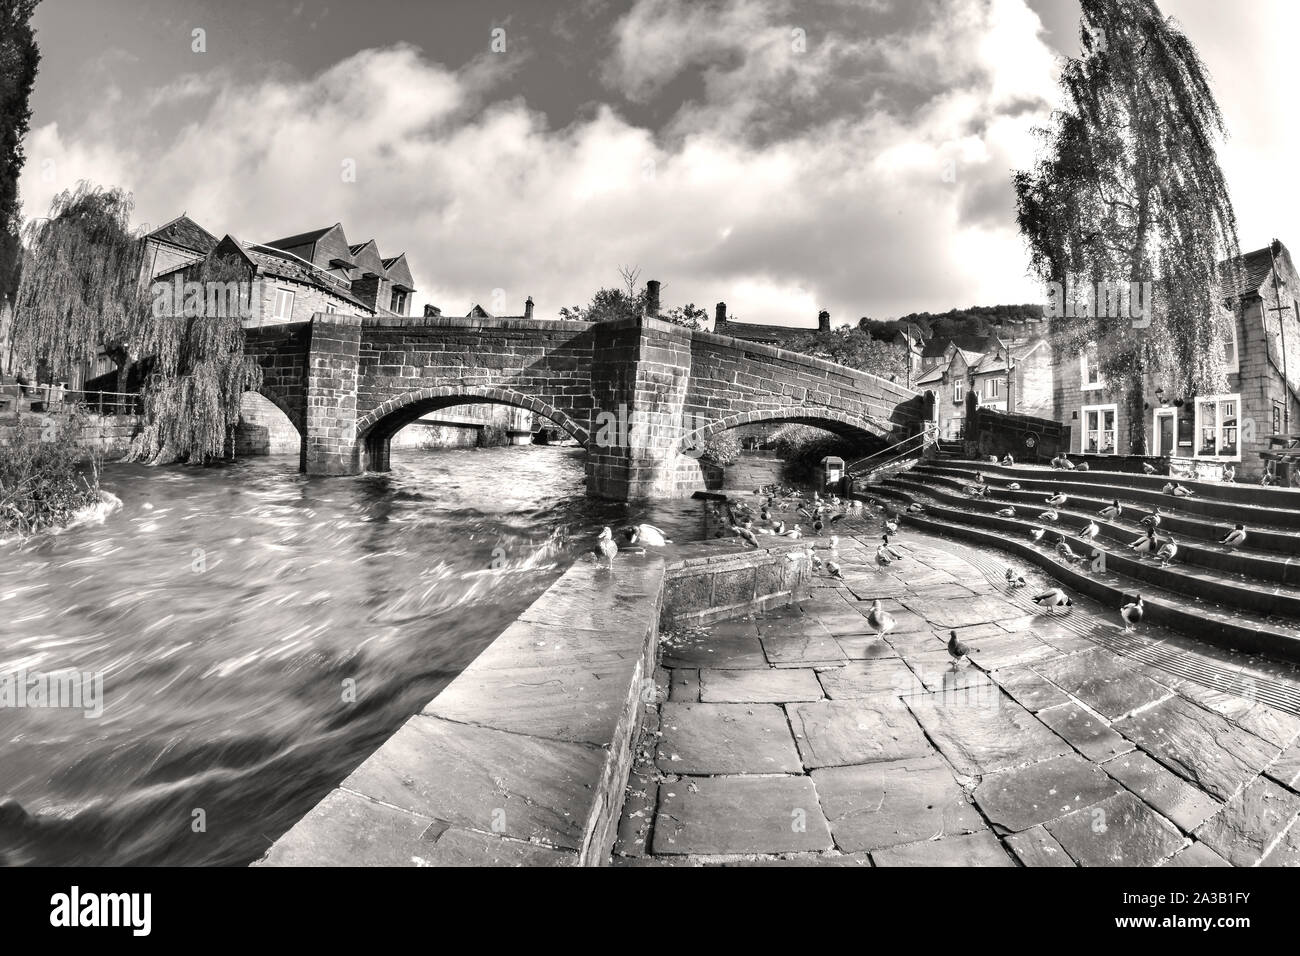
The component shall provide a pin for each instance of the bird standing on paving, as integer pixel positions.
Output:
(1053, 599)
(1131, 613)
(880, 619)
(956, 649)
(605, 545)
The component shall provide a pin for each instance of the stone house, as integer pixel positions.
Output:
(1010, 376)
(1261, 344)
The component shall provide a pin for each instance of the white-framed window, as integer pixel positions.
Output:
(1216, 427)
(283, 305)
(993, 388)
(1097, 434)
(958, 392)
(1090, 370)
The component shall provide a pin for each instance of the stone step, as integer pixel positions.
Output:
(1234, 627)
(1280, 512)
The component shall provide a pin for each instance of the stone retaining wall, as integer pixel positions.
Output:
(107, 435)
(523, 758)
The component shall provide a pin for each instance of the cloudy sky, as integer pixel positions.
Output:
(782, 155)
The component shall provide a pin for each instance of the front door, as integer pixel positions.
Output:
(1164, 432)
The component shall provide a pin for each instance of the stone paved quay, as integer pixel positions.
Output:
(797, 737)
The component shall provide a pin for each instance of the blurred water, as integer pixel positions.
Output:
(227, 607)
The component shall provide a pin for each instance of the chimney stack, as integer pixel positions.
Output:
(823, 321)
(432, 311)
(719, 315)
(528, 308)
(652, 298)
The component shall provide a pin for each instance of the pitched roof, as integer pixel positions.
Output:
(478, 312)
(1252, 269)
(186, 233)
(399, 272)
(302, 239)
(935, 374)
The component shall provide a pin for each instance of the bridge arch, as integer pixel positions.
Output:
(294, 416)
(853, 427)
(377, 427)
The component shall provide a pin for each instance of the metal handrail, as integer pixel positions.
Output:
(50, 394)
(925, 435)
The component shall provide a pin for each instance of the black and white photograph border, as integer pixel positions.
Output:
(750, 433)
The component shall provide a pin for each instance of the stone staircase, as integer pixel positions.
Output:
(1247, 599)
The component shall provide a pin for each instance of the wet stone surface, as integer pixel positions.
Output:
(800, 737)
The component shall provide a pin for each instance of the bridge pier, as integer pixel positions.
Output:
(329, 445)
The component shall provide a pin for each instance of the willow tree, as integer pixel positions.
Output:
(81, 284)
(1127, 191)
(198, 371)
(84, 288)
(19, 59)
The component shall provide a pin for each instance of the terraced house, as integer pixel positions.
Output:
(1244, 424)
(1005, 374)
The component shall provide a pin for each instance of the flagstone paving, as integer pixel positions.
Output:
(799, 737)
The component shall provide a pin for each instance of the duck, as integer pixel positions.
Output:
(646, 534)
(834, 570)
(1015, 580)
(979, 477)
(880, 619)
(1091, 530)
(835, 518)
(1064, 550)
(1007, 460)
(1229, 473)
(1112, 510)
(794, 532)
(1082, 466)
(1131, 613)
(1014, 486)
(765, 513)
(915, 509)
(1037, 534)
(817, 526)
(778, 528)
(977, 491)
(1151, 521)
(891, 526)
(747, 535)
(956, 649)
(1235, 538)
(1049, 515)
(1053, 599)
(1006, 512)
(1146, 544)
(605, 545)
(1057, 500)
(1181, 491)
(834, 542)
(1168, 551)
(1148, 468)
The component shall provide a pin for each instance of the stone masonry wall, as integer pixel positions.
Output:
(330, 446)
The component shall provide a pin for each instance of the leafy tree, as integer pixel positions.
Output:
(1129, 190)
(855, 348)
(629, 302)
(19, 58)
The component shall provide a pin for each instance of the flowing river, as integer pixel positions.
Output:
(232, 611)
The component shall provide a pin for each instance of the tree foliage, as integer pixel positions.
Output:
(855, 348)
(1128, 189)
(19, 59)
(610, 304)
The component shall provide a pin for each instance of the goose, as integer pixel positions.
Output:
(1064, 550)
(1112, 510)
(1015, 580)
(1014, 486)
(605, 545)
(1006, 512)
(1236, 538)
(1148, 468)
(1131, 613)
(747, 535)
(647, 534)
(956, 649)
(1053, 599)
(1049, 515)
(1168, 551)
(1098, 559)
(1057, 500)
(834, 570)
(1037, 534)
(1091, 530)
(880, 619)
(1146, 544)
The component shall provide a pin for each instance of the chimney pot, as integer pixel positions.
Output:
(528, 308)
(432, 311)
(652, 298)
(720, 314)
(823, 321)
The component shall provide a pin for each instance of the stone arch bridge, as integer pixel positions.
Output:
(640, 395)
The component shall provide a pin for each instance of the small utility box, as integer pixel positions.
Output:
(832, 471)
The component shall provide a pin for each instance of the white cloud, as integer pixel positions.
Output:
(845, 208)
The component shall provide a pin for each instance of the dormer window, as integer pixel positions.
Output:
(398, 302)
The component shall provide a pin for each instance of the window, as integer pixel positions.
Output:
(1089, 370)
(330, 308)
(1277, 418)
(1230, 345)
(1098, 435)
(1216, 427)
(398, 303)
(283, 305)
(993, 388)
(958, 393)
